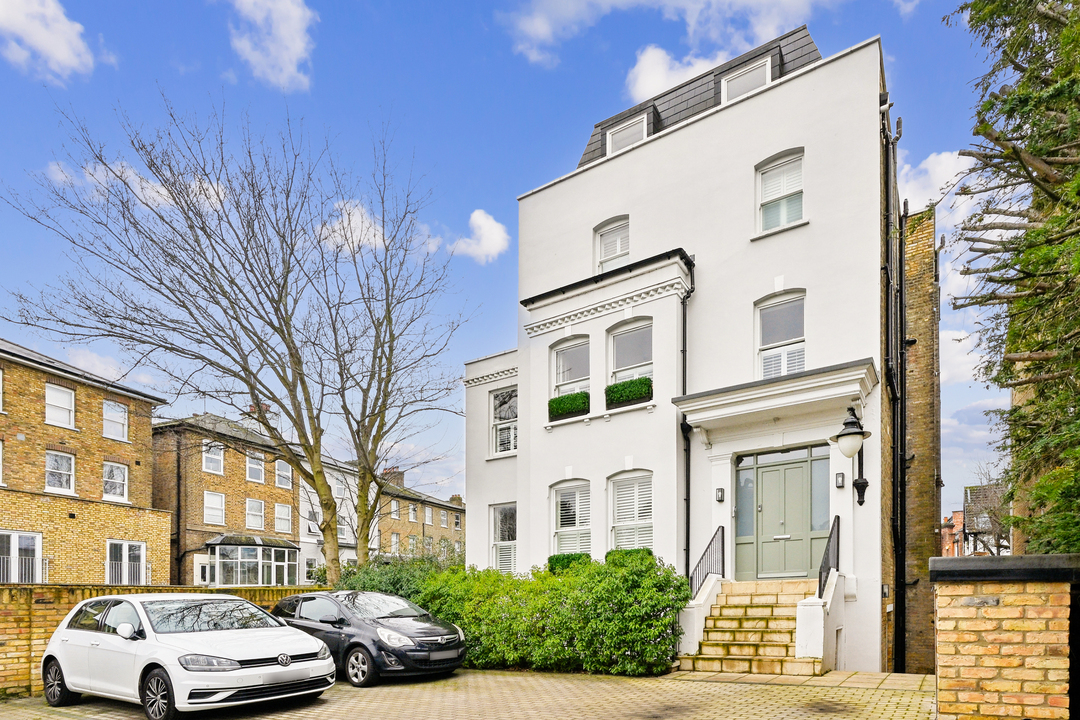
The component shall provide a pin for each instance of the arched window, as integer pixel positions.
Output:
(573, 517)
(613, 243)
(780, 191)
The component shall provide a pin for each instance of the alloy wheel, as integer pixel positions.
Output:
(156, 697)
(358, 667)
(54, 683)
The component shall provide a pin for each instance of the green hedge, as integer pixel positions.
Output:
(558, 563)
(620, 556)
(397, 576)
(572, 404)
(619, 617)
(628, 391)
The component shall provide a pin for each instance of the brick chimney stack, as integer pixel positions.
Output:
(394, 476)
(456, 500)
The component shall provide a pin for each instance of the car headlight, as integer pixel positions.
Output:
(207, 663)
(394, 639)
(460, 633)
(324, 652)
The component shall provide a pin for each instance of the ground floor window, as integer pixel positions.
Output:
(633, 513)
(504, 549)
(241, 565)
(20, 558)
(572, 518)
(125, 563)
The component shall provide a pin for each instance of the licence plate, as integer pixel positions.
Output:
(444, 654)
(286, 676)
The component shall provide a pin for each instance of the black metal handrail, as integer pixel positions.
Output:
(712, 561)
(830, 560)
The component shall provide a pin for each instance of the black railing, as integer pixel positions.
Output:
(830, 560)
(712, 561)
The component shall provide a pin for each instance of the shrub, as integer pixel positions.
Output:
(619, 556)
(566, 405)
(557, 563)
(397, 576)
(628, 391)
(619, 617)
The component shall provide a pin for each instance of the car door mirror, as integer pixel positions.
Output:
(125, 630)
(330, 619)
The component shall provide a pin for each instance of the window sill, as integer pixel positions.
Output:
(605, 416)
(58, 491)
(115, 500)
(214, 472)
(500, 456)
(72, 428)
(777, 231)
(119, 440)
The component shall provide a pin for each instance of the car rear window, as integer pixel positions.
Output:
(377, 605)
(185, 616)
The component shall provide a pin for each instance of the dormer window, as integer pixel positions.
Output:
(614, 245)
(626, 135)
(743, 81)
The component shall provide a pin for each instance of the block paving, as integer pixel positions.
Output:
(548, 696)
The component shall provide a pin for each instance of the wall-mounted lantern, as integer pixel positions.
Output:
(850, 441)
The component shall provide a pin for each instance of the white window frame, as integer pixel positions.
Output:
(126, 472)
(249, 513)
(787, 159)
(622, 255)
(785, 347)
(643, 119)
(127, 576)
(581, 528)
(313, 521)
(630, 372)
(444, 518)
(767, 62)
(429, 515)
(14, 568)
(2, 483)
(256, 461)
(70, 489)
(457, 521)
(283, 518)
(568, 387)
(2, 390)
(70, 425)
(638, 523)
(282, 470)
(207, 517)
(105, 406)
(208, 446)
(498, 426)
(395, 543)
(395, 509)
(412, 512)
(342, 529)
(339, 487)
(503, 552)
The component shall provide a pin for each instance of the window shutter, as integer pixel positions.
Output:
(614, 242)
(625, 512)
(771, 365)
(772, 184)
(796, 360)
(506, 557)
(644, 503)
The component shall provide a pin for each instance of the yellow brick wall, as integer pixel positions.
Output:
(1002, 650)
(30, 613)
(187, 444)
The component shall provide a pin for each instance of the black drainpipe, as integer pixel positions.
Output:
(895, 371)
(179, 527)
(685, 426)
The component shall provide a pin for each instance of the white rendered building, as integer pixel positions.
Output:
(725, 240)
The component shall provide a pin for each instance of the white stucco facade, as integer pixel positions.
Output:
(695, 186)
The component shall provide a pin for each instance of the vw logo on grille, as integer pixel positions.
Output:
(447, 638)
(284, 660)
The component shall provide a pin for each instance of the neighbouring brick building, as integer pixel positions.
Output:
(414, 523)
(75, 477)
(233, 504)
(952, 534)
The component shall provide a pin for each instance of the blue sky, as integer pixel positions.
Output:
(491, 100)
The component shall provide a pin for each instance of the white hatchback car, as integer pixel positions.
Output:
(179, 652)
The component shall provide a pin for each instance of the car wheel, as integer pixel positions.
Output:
(56, 690)
(359, 668)
(157, 696)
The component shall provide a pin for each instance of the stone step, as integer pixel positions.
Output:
(805, 586)
(752, 611)
(763, 598)
(750, 623)
(771, 636)
(747, 649)
(761, 666)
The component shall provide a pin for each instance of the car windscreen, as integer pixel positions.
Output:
(185, 616)
(377, 605)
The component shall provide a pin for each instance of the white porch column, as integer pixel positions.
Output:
(723, 513)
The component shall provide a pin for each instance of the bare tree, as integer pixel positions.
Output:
(256, 273)
(986, 513)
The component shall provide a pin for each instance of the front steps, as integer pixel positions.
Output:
(751, 629)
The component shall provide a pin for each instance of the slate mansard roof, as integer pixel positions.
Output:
(789, 52)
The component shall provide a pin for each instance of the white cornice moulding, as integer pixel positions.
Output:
(659, 290)
(492, 377)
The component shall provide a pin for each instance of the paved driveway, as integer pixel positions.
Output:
(492, 695)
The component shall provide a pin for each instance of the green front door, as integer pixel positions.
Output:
(783, 527)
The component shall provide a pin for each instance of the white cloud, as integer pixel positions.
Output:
(434, 242)
(37, 36)
(106, 55)
(958, 357)
(106, 367)
(274, 40)
(489, 239)
(931, 180)
(353, 227)
(541, 25)
(906, 7)
(655, 71)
